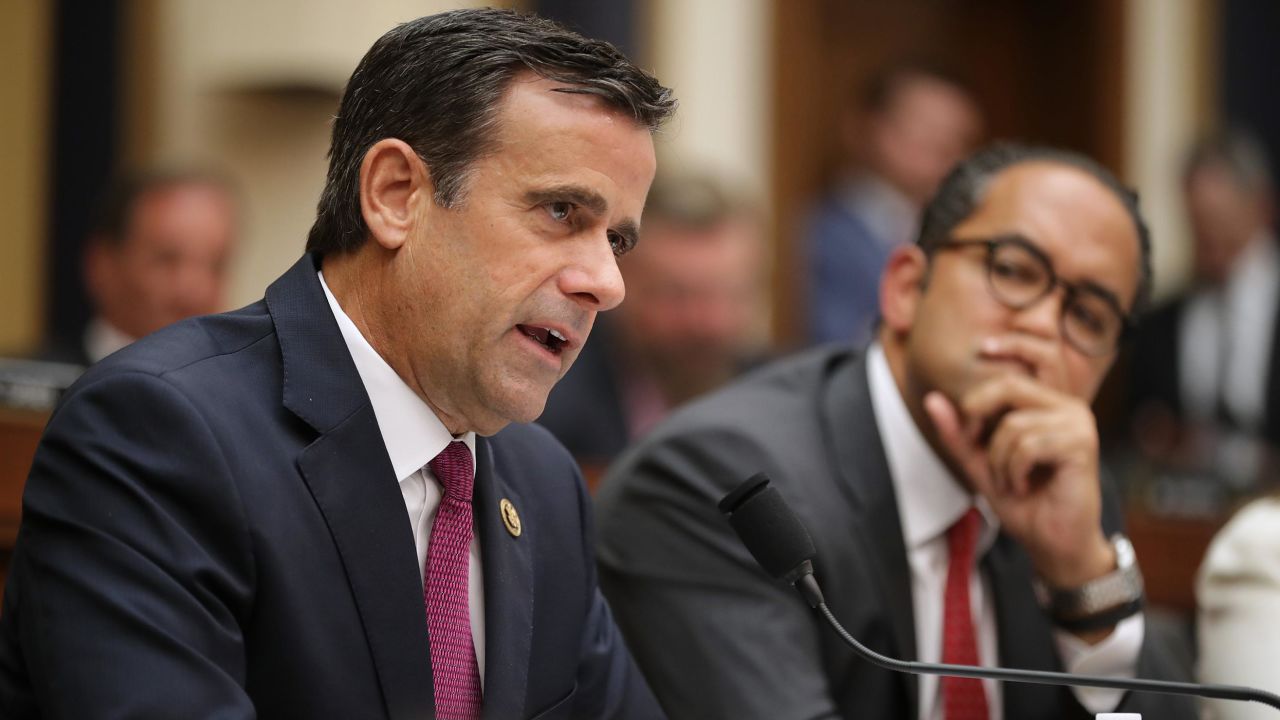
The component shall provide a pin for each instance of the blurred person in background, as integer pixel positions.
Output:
(1205, 378)
(158, 253)
(1238, 596)
(693, 297)
(911, 124)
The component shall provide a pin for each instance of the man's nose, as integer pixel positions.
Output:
(593, 279)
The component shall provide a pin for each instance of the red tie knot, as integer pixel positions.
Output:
(962, 537)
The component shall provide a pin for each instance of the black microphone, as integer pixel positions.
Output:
(780, 543)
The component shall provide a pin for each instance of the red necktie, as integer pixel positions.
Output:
(445, 591)
(962, 698)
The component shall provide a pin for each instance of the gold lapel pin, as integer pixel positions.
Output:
(510, 517)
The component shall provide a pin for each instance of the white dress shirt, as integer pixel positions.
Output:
(930, 501)
(101, 338)
(413, 436)
(1232, 324)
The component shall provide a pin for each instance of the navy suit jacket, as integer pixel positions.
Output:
(212, 528)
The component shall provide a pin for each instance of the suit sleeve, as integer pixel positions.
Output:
(715, 636)
(1158, 658)
(132, 571)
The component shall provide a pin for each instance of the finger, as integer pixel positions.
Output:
(1009, 392)
(1008, 434)
(1033, 449)
(1043, 357)
(956, 438)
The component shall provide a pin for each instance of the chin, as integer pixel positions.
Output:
(523, 407)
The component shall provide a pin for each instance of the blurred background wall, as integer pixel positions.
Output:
(92, 88)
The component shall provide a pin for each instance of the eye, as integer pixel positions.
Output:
(560, 211)
(1016, 271)
(620, 243)
(1088, 318)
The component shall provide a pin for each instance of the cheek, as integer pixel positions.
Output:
(1085, 375)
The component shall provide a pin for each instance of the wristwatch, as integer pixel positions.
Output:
(1101, 602)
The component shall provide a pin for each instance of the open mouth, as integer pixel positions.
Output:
(550, 339)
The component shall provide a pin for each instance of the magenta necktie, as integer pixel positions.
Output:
(962, 698)
(453, 653)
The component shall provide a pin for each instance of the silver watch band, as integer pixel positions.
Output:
(1121, 586)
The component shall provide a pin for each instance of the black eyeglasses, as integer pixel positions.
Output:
(1019, 275)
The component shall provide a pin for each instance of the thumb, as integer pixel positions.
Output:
(946, 420)
(955, 438)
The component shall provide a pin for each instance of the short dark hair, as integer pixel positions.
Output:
(966, 186)
(1238, 151)
(436, 82)
(109, 223)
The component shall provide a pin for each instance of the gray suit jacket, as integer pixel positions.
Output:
(716, 637)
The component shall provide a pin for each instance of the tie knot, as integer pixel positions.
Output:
(452, 467)
(962, 537)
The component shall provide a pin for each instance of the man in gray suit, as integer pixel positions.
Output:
(949, 475)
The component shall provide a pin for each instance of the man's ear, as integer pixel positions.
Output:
(393, 182)
(901, 287)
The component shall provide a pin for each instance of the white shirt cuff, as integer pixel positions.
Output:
(1117, 656)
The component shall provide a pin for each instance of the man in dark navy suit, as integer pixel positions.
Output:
(310, 507)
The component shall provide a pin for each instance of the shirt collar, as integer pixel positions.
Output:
(410, 429)
(101, 338)
(930, 500)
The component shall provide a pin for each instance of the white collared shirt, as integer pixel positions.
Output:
(1232, 324)
(929, 502)
(101, 338)
(413, 436)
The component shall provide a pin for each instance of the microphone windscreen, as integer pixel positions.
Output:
(767, 526)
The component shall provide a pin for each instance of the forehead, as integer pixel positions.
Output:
(547, 135)
(180, 206)
(1081, 225)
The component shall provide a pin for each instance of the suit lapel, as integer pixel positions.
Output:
(508, 594)
(853, 441)
(350, 476)
(351, 479)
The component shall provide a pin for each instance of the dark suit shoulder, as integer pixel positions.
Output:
(188, 342)
(783, 391)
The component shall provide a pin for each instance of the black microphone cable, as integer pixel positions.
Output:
(780, 543)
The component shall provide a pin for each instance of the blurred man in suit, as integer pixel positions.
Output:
(909, 126)
(1205, 377)
(943, 474)
(158, 253)
(693, 296)
(310, 507)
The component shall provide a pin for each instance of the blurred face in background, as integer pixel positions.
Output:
(1224, 217)
(927, 126)
(692, 299)
(169, 264)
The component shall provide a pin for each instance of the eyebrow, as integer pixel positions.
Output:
(593, 201)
